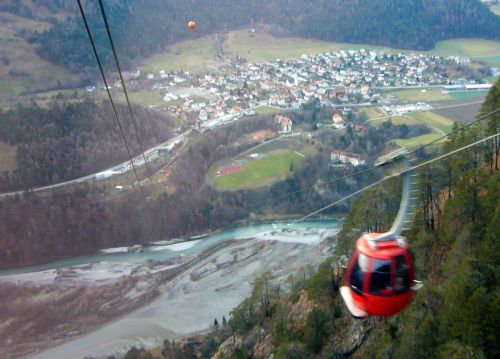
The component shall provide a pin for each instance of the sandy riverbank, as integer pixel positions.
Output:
(153, 301)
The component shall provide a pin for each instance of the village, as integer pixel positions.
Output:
(337, 78)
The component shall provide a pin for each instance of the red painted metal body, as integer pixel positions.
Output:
(379, 276)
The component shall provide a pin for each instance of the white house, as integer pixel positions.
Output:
(342, 158)
(284, 122)
(337, 119)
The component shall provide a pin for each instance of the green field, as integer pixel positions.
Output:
(433, 94)
(261, 46)
(493, 61)
(46, 98)
(434, 120)
(19, 23)
(468, 95)
(467, 47)
(262, 110)
(396, 120)
(40, 10)
(200, 55)
(7, 157)
(477, 49)
(190, 55)
(25, 70)
(261, 172)
(417, 141)
(143, 98)
(372, 112)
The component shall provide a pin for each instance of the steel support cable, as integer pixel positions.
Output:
(396, 175)
(107, 89)
(467, 125)
(375, 167)
(134, 123)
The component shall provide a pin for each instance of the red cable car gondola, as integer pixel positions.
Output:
(379, 277)
(380, 274)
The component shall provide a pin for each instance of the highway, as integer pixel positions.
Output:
(151, 154)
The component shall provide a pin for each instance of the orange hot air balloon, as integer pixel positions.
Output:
(191, 25)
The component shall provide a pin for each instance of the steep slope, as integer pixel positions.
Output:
(22, 70)
(72, 140)
(144, 27)
(455, 242)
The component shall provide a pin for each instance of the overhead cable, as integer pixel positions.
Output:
(396, 175)
(134, 123)
(370, 169)
(109, 93)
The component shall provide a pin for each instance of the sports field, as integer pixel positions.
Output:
(430, 95)
(275, 166)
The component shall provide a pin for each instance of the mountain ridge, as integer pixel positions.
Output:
(407, 24)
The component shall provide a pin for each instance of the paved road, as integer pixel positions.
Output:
(151, 154)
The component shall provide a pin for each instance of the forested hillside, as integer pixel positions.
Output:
(143, 27)
(68, 141)
(455, 243)
(96, 222)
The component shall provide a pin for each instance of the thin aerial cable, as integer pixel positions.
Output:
(455, 131)
(425, 145)
(355, 174)
(134, 123)
(396, 175)
(341, 200)
(107, 89)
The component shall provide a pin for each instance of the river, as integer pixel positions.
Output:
(233, 233)
(209, 288)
